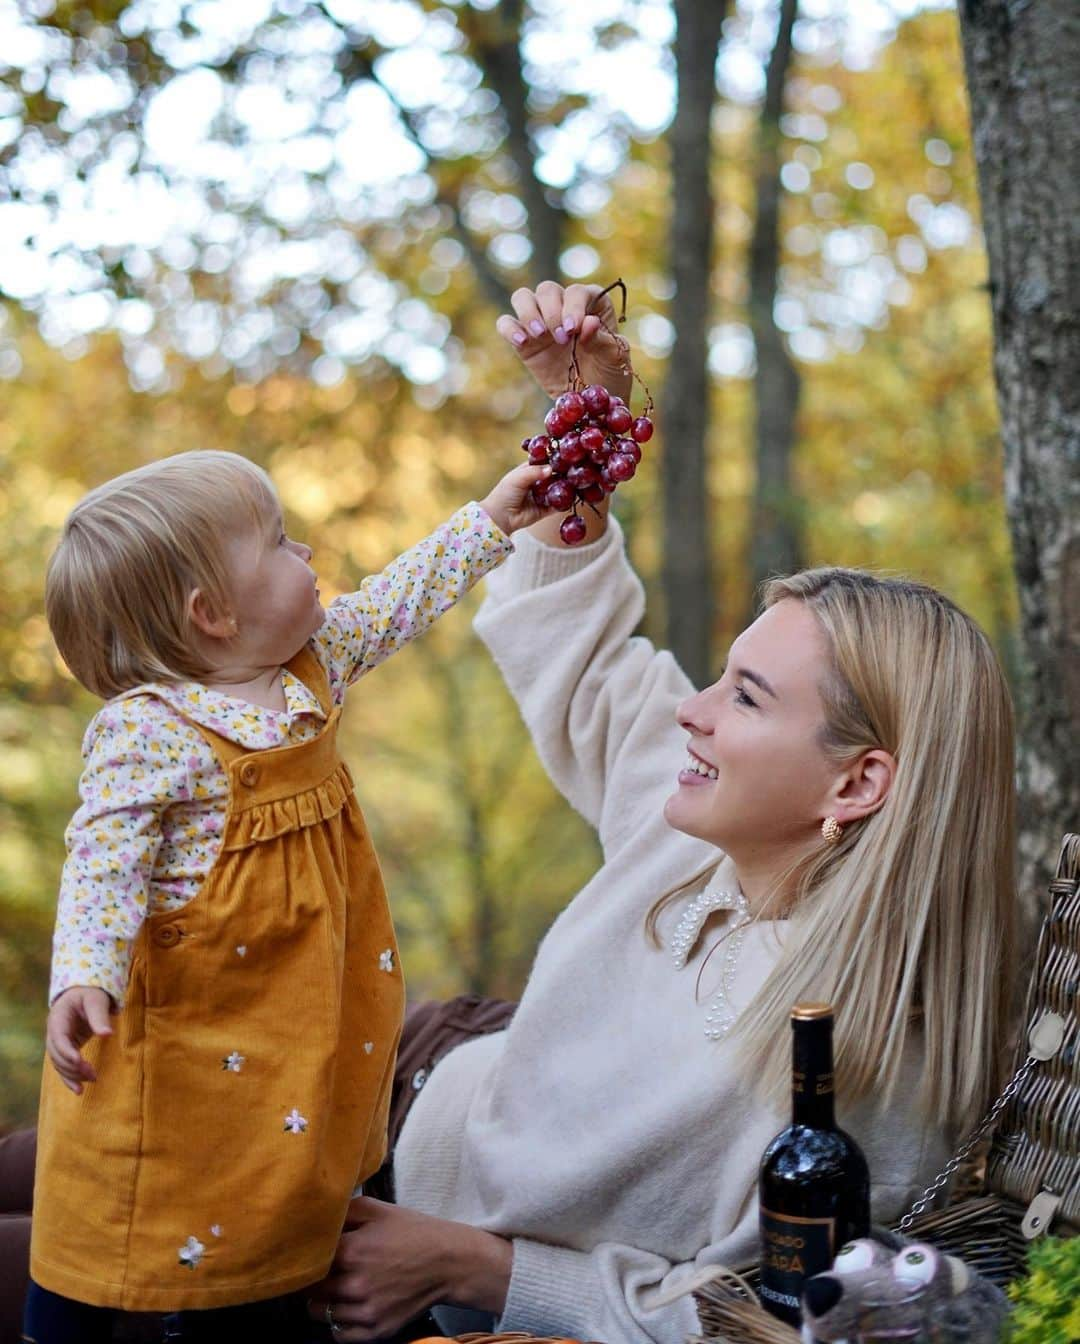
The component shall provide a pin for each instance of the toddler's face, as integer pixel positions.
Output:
(275, 591)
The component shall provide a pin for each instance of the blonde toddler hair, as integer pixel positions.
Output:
(132, 551)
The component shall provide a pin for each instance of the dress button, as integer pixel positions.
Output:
(249, 774)
(419, 1078)
(167, 936)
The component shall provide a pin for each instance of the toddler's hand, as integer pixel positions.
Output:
(511, 505)
(76, 1015)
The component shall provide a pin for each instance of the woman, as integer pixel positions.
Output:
(565, 1175)
(568, 1172)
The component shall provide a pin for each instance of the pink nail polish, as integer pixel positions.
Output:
(561, 337)
(519, 338)
(536, 327)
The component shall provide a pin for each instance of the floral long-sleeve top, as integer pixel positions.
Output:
(154, 795)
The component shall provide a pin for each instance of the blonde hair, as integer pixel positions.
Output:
(908, 924)
(132, 552)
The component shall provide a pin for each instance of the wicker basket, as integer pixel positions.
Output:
(1034, 1153)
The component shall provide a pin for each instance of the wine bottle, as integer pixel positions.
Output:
(814, 1184)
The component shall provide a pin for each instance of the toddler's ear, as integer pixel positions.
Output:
(206, 619)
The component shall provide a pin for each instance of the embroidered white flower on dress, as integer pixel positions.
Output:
(191, 1252)
(241, 951)
(215, 1231)
(386, 960)
(234, 1062)
(368, 1047)
(295, 1122)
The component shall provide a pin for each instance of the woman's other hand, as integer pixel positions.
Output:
(542, 328)
(392, 1263)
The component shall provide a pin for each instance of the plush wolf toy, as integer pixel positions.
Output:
(902, 1290)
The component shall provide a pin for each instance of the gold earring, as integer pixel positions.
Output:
(831, 831)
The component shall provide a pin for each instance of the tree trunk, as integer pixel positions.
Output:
(497, 48)
(1023, 72)
(776, 545)
(686, 569)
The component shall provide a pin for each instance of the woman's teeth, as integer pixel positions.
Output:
(700, 768)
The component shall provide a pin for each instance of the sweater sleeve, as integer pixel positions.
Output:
(598, 701)
(613, 1292)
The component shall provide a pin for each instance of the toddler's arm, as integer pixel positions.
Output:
(133, 769)
(78, 1014)
(364, 628)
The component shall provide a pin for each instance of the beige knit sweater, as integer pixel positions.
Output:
(603, 1131)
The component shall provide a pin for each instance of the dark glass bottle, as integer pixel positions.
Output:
(814, 1184)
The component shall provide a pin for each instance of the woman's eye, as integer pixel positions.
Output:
(741, 698)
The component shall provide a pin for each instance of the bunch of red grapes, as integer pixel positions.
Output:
(592, 444)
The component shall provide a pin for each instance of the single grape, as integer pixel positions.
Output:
(539, 446)
(573, 529)
(596, 398)
(525, 442)
(592, 494)
(539, 490)
(607, 484)
(620, 467)
(584, 473)
(555, 425)
(558, 463)
(592, 438)
(571, 406)
(642, 429)
(571, 449)
(560, 494)
(619, 419)
(630, 448)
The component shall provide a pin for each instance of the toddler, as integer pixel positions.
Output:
(223, 947)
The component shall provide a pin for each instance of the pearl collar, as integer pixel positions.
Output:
(720, 1016)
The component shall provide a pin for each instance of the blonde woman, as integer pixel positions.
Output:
(562, 1175)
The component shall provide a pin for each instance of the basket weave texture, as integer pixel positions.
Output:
(1035, 1145)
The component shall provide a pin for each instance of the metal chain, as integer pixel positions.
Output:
(1007, 1095)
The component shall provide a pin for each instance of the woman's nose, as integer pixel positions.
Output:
(302, 549)
(690, 712)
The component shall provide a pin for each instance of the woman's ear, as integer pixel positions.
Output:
(863, 786)
(206, 620)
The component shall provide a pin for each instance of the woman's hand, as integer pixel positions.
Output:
(392, 1263)
(542, 328)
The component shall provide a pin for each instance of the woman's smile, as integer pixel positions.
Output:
(696, 771)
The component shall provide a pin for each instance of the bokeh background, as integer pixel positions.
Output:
(285, 229)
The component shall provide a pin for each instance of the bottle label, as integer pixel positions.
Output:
(791, 1250)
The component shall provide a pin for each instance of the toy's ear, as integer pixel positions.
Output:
(959, 1275)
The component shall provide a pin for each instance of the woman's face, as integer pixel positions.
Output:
(756, 781)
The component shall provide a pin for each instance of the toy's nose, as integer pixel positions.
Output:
(821, 1293)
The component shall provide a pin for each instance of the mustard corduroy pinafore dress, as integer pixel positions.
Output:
(244, 1091)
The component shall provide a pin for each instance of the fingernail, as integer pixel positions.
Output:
(519, 338)
(536, 327)
(569, 323)
(561, 337)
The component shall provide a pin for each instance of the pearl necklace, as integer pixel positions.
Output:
(720, 1016)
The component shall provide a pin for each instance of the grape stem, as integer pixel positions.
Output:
(576, 381)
